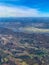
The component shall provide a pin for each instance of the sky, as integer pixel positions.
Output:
(24, 8)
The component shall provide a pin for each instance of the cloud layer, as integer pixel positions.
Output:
(33, 29)
(6, 11)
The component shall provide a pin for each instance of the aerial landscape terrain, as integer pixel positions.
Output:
(24, 41)
(24, 32)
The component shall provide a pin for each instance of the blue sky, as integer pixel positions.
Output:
(24, 8)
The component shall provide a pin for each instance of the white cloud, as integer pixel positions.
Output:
(6, 11)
